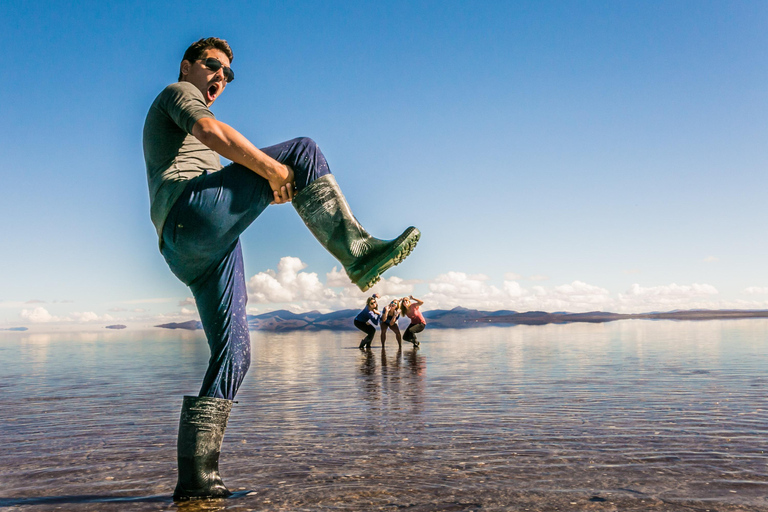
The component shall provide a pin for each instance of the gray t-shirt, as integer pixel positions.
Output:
(172, 154)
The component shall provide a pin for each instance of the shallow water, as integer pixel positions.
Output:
(629, 415)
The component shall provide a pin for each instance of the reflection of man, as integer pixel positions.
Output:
(199, 209)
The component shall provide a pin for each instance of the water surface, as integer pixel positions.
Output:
(629, 415)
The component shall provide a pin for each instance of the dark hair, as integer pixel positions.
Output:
(196, 49)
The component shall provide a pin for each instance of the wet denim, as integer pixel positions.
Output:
(201, 245)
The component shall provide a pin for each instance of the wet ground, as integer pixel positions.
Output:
(630, 415)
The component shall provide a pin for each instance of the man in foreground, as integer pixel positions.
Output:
(200, 208)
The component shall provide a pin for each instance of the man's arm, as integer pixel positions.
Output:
(231, 144)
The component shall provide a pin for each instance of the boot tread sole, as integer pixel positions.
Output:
(394, 257)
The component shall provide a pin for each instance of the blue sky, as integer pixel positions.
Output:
(555, 155)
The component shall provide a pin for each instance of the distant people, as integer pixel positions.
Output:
(409, 306)
(369, 315)
(389, 317)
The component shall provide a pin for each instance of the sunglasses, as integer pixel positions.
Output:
(215, 65)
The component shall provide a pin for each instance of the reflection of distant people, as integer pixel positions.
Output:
(389, 317)
(410, 308)
(368, 314)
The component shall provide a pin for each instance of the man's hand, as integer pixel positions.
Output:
(231, 144)
(283, 188)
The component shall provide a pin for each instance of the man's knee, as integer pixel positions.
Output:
(309, 163)
(307, 143)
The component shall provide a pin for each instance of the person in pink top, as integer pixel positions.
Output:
(409, 306)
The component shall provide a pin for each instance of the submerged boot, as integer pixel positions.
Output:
(201, 430)
(325, 211)
(366, 342)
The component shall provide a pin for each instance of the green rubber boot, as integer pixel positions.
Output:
(325, 211)
(201, 431)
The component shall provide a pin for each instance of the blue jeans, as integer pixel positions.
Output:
(201, 244)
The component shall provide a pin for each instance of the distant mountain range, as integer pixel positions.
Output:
(457, 318)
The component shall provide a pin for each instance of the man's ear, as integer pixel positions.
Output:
(184, 69)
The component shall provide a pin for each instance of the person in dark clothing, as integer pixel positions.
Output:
(200, 208)
(389, 317)
(369, 314)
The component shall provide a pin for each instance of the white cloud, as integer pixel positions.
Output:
(38, 315)
(673, 291)
(459, 283)
(756, 290)
(459, 289)
(392, 286)
(511, 276)
(711, 259)
(189, 301)
(337, 278)
(87, 317)
(580, 296)
(288, 284)
(577, 296)
(476, 292)
(41, 315)
(538, 277)
(668, 297)
(513, 289)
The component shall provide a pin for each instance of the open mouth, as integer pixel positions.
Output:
(213, 91)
